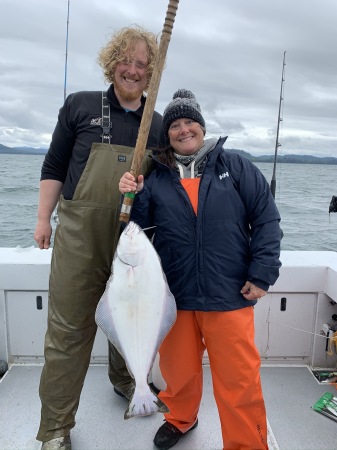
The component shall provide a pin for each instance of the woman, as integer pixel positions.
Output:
(218, 236)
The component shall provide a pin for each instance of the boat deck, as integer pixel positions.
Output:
(289, 394)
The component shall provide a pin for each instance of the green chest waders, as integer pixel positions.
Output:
(84, 245)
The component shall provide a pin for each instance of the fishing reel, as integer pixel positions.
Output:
(330, 331)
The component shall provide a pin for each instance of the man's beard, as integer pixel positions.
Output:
(127, 95)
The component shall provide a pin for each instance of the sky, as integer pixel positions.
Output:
(229, 53)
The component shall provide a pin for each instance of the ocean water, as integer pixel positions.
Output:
(303, 194)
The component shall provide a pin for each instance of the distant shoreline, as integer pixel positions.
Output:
(283, 159)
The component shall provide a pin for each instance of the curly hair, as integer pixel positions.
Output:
(121, 42)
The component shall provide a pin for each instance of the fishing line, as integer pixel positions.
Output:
(331, 349)
(269, 322)
(297, 329)
(149, 228)
(288, 326)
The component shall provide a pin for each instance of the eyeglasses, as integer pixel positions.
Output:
(138, 64)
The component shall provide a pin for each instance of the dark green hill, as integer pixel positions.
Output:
(22, 150)
(292, 159)
(295, 159)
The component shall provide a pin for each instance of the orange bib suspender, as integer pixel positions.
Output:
(191, 186)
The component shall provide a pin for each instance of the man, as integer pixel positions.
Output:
(92, 146)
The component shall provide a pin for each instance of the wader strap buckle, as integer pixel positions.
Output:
(106, 123)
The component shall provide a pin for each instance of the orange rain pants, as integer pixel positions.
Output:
(235, 367)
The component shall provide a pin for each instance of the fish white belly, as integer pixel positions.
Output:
(136, 312)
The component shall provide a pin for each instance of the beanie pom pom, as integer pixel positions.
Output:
(183, 93)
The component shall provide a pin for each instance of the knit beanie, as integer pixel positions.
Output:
(183, 105)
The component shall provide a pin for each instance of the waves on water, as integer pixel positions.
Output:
(303, 195)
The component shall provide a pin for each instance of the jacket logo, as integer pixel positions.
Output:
(223, 175)
(97, 121)
(121, 158)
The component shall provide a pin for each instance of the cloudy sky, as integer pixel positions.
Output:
(228, 52)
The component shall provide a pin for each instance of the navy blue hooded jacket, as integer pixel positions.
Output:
(235, 237)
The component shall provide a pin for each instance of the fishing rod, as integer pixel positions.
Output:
(66, 57)
(55, 214)
(277, 144)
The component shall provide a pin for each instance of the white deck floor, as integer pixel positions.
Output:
(289, 394)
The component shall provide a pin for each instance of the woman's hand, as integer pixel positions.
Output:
(252, 292)
(128, 183)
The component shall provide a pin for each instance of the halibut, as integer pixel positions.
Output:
(136, 312)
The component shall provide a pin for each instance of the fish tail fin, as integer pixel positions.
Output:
(144, 402)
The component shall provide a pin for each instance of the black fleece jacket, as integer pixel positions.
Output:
(78, 128)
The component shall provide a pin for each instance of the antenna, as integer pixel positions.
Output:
(66, 59)
(277, 144)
